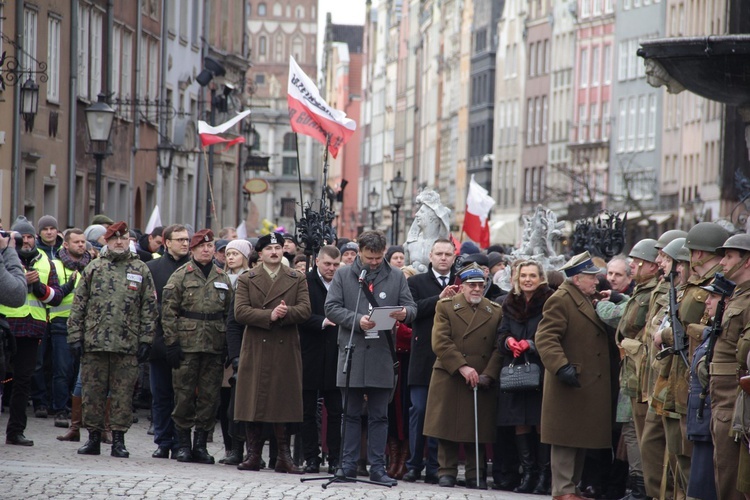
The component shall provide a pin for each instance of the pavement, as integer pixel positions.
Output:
(53, 469)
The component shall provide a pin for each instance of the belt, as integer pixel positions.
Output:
(201, 316)
(723, 369)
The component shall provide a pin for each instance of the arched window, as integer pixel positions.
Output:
(277, 9)
(279, 48)
(300, 12)
(262, 46)
(261, 10)
(298, 50)
(255, 144)
(289, 142)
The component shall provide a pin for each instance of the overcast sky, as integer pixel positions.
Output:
(342, 12)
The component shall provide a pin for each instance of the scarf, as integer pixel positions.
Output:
(74, 265)
(520, 310)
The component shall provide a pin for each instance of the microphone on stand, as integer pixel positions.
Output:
(362, 275)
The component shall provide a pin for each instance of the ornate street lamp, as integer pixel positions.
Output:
(396, 198)
(373, 198)
(165, 151)
(99, 118)
(29, 102)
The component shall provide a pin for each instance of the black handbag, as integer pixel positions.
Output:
(520, 377)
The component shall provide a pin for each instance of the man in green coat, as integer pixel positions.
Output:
(111, 327)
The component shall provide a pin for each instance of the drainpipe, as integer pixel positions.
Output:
(136, 108)
(72, 96)
(16, 144)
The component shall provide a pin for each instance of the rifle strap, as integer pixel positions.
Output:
(374, 303)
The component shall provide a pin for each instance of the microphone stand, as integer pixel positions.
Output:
(340, 475)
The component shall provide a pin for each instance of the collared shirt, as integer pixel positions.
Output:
(272, 274)
(326, 284)
(445, 282)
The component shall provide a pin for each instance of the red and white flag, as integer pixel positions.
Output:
(211, 135)
(478, 206)
(310, 115)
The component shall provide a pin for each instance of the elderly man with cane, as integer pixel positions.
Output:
(463, 339)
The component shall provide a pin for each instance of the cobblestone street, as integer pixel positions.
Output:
(53, 469)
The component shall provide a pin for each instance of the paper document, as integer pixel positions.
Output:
(381, 317)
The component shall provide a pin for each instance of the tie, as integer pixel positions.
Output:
(444, 280)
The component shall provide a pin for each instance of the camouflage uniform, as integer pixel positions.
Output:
(114, 310)
(194, 313)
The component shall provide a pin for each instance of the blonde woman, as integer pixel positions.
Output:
(237, 255)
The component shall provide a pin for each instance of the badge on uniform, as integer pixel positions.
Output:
(456, 306)
(134, 277)
(382, 295)
(273, 239)
(489, 309)
(132, 285)
(222, 287)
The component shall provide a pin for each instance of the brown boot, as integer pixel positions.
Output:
(74, 432)
(403, 456)
(254, 447)
(393, 449)
(107, 434)
(284, 461)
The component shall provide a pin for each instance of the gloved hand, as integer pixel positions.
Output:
(39, 289)
(568, 376)
(76, 349)
(523, 346)
(235, 364)
(514, 346)
(69, 285)
(174, 355)
(485, 382)
(144, 350)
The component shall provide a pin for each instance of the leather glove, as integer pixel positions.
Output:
(485, 382)
(69, 285)
(144, 350)
(76, 349)
(514, 346)
(39, 289)
(174, 355)
(568, 376)
(523, 346)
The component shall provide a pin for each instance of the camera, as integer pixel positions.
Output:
(722, 285)
(15, 236)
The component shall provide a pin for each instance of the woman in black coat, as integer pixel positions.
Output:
(522, 312)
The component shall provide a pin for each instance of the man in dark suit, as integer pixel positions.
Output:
(426, 289)
(318, 338)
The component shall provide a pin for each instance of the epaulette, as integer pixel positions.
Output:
(252, 273)
(292, 273)
(445, 299)
(220, 270)
(495, 304)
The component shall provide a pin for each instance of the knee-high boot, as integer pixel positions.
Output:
(254, 447)
(544, 483)
(74, 431)
(526, 444)
(392, 448)
(284, 461)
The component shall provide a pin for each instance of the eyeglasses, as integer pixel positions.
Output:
(180, 240)
(474, 285)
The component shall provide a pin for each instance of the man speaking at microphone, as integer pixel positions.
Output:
(372, 358)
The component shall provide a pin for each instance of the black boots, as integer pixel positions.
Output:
(118, 445)
(526, 444)
(284, 461)
(184, 454)
(94, 444)
(254, 447)
(234, 456)
(200, 453)
(638, 489)
(544, 483)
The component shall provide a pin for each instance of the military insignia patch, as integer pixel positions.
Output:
(489, 309)
(205, 238)
(273, 239)
(456, 306)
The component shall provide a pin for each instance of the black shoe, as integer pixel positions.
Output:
(472, 484)
(412, 476)
(312, 467)
(150, 430)
(431, 479)
(447, 481)
(61, 420)
(161, 452)
(19, 439)
(381, 477)
(345, 474)
(40, 412)
(332, 469)
(506, 482)
(118, 445)
(93, 446)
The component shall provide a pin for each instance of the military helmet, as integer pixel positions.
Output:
(645, 250)
(706, 236)
(668, 236)
(676, 250)
(737, 242)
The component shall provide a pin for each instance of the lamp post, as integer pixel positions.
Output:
(29, 102)
(165, 151)
(373, 197)
(99, 118)
(698, 208)
(396, 198)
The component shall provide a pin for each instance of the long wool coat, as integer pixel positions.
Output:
(571, 332)
(269, 378)
(461, 336)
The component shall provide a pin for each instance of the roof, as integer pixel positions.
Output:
(351, 34)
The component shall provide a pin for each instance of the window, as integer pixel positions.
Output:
(530, 122)
(262, 44)
(153, 72)
(547, 56)
(183, 18)
(607, 64)
(651, 121)
(631, 123)
(597, 7)
(277, 10)
(116, 53)
(53, 59)
(641, 123)
(194, 22)
(298, 50)
(585, 8)
(632, 58)
(288, 207)
(279, 48)
(595, 67)
(29, 54)
(532, 60)
(622, 67)
(605, 121)
(97, 48)
(260, 79)
(545, 112)
(289, 166)
(537, 120)
(594, 117)
(584, 76)
(261, 10)
(300, 12)
(289, 142)
(581, 123)
(126, 58)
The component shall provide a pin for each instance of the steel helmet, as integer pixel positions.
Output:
(706, 236)
(676, 250)
(668, 236)
(737, 242)
(645, 250)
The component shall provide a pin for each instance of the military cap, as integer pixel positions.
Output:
(102, 219)
(476, 258)
(580, 264)
(117, 229)
(269, 239)
(202, 236)
(471, 274)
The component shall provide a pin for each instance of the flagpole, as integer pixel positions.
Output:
(299, 170)
(210, 190)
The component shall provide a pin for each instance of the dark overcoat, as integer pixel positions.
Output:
(372, 362)
(269, 378)
(319, 345)
(462, 336)
(571, 333)
(425, 290)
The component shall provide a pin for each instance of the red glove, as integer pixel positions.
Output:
(523, 346)
(514, 346)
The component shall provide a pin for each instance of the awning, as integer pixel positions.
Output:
(657, 218)
(504, 229)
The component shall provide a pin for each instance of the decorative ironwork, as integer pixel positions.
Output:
(12, 71)
(603, 237)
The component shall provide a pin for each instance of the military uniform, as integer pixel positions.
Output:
(743, 472)
(113, 312)
(194, 315)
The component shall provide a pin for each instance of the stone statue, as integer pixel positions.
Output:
(431, 222)
(540, 231)
(656, 76)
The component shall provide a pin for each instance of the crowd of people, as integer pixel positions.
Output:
(616, 379)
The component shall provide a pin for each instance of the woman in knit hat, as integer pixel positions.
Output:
(237, 255)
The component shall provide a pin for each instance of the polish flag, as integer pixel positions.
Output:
(213, 135)
(478, 206)
(310, 115)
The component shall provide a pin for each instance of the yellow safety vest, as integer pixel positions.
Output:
(63, 310)
(33, 306)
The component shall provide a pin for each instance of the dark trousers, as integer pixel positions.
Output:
(24, 363)
(377, 427)
(55, 347)
(310, 428)
(417, 439)
(225, 396)
(162, 403)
